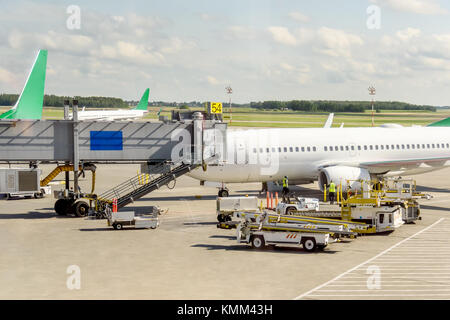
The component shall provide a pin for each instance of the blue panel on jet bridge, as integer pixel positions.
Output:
(106, 140)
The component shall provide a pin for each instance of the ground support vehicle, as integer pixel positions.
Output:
(118, 220)
(260, 230)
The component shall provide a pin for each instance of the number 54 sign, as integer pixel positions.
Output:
(215, 107)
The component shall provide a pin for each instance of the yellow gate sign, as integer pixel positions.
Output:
(214, 107)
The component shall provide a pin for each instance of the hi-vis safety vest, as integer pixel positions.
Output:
(332, 187)
(285, 183)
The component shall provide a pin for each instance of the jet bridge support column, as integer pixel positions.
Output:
(76, 154)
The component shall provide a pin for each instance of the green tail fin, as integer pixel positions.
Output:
(31, 100)
(441, 123)
(143, 104)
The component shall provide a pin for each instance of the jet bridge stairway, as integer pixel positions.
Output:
(137, 187)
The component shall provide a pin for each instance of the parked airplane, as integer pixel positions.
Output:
(30, 102)
(329, 154)
(108, 115)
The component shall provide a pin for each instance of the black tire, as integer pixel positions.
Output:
(80, 208)
(118, 226)
(309, 244)
(221, 217)
(223, 193)
(62, 206)
(258, 242)
(114, 226)
(290, 210)
(228, 218)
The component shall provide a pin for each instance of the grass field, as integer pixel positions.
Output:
(246, 117)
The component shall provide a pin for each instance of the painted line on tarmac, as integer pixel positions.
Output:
(309, 293)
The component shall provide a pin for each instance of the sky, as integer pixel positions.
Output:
(265, 50)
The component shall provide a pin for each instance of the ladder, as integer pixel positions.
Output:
(138, 186)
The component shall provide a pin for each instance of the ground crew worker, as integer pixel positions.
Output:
(332, 191)
(285, 191)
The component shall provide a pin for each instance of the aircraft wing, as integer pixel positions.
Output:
(329, 121)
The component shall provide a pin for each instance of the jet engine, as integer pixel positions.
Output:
(350, 177)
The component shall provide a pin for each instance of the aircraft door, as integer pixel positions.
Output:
(241, 156)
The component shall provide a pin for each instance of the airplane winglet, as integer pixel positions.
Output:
(31, 100)
(143, 104)
(329, 121)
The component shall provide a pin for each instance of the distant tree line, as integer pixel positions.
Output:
(337, 106)
(295, 105)
(58, 101)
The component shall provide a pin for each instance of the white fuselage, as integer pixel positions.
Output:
(259, 155)
(110, 115)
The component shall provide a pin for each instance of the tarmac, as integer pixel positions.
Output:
(187, 257)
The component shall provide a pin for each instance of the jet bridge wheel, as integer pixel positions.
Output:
(80, 208)
(223, 193)
(62, 206)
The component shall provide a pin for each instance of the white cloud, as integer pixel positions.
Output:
(240, 33)
(427, 7)
(337, 42)
(298, 16)
(282, 35)
(407, 34)
(6, 76)
(212, 80)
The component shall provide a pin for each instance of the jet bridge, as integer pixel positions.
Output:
(183, 144)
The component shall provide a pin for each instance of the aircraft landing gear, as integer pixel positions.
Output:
(223, 193)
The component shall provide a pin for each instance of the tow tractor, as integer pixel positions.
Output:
(259, 230)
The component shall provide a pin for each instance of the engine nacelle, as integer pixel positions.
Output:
(348, 176)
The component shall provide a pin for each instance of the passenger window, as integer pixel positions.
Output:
(325, 148)
(291, 149)
(392, 147)
(413, 146)
(387, 147)
(381, 218)
(432, 145)
(331, 148)
(407, 146)
(342, 148)
(382, 147)
(423, 146)
(297, 149)
(308, 148)
(359, 147)
(285, 149)
(442, 145)
(273, 149)
(279, 149)
(390, 218)
(336, 148)
(314, 149)
(398, 147)
(268, 150)
(260, 150)
(448, 145)
(418, 146)
(254, 150)
(303, 149)
(346, 148)
(403, 146)
(376, 147)
(352, 147)
(365, 147)
(371, 147)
